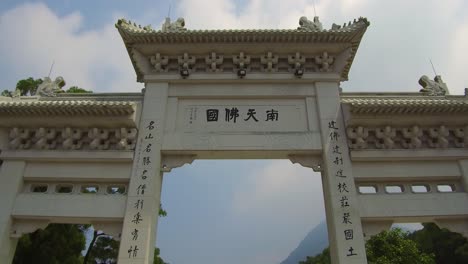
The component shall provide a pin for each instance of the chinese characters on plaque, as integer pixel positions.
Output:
(234, 115)
(342, 186)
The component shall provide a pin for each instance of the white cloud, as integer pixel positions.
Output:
(395, 51)
(93, 59)
(287, 198)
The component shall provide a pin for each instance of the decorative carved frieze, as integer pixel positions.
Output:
(414, 137)
(72, 138)
(216, 62)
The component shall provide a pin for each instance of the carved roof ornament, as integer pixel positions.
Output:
(434, 87)
(50, 88)
(177, 26)
(307, 25)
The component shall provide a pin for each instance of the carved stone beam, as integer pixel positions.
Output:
(309, 161)
(21, 227)
(170, 162)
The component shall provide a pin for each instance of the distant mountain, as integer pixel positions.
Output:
(313, 244)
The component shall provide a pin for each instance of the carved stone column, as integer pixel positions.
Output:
(11, 181)
(342, 211)
(144, 195)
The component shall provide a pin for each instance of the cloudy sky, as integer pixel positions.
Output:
(234, 211)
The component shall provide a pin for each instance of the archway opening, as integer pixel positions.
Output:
(241, 211)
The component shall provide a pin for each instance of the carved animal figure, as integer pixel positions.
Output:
(178, 25)
(433, 87)
(49, 87)
(307, 25)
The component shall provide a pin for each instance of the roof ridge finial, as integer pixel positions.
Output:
(177, 26)
(307, 25)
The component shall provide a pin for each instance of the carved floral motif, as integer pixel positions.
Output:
(241, 61)
(269, 62)
(214, 62)
(186, 61)
(414, 137)
(73, 138)
(325, 61)
(297, 61)
(159, 62)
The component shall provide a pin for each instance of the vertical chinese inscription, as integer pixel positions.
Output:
(342, 190)
(139, 217)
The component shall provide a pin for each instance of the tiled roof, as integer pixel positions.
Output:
(66, 108)
(132, 33)
(400, 105)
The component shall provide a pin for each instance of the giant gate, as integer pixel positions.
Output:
(237, 94)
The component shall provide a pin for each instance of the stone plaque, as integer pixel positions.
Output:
(242, 115)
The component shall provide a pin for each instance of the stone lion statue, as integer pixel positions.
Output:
(178, 25)
(307, 25)
(433, 87)
(49, 87)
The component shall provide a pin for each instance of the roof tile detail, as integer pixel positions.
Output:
(67, 108)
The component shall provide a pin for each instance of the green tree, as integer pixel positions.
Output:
(76, 89)
(56, 244)
(322, 258)
(28, 86)
(447, 246)
(388, 247)
(157, 258)
(395, 247)
(103, 249)
(6, 93)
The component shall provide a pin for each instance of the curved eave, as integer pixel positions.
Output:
(66, 108)
(398, 106)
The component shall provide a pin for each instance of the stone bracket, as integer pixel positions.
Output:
(309, 161)
(170, 162)
(21, 227)
(112, 229)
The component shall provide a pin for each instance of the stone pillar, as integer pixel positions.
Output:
(144, 195)
(344, 222)
(464, 171)
(11, 182)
